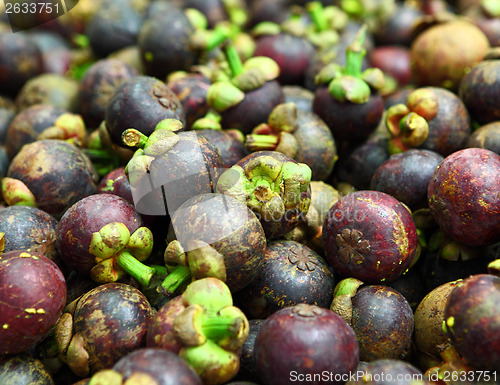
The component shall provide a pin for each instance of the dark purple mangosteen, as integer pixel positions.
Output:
(104, 325)
(141, 103)
(272, 185)
(164, 43)
(20, 60)
(191, 90)
(406, 176)
(231, 147)
(116, 182)
(393, 60)
(56, 173)
(246, 99)
(380, 316)
(292, 53)
(302, 342)
(433, 118)
(29, 124)
(359, 162)
(97, 86)
(487, 137)
(115, 26)
(291, 273)
(170, 168)
(347, 98)
(399, 28)
(55, 50)
(478, 90)
(222, 230)
(164, 367)
(30, 229)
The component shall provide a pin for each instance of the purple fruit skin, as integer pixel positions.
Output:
(385, 223)
(406, 176)
(33, 292)
(85, 217)
(464, 196)
(475, 333)
(289, 342)
(165, 367)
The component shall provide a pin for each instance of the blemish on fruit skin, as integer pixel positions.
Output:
(450, 321)
(25, 255)
(5, 326)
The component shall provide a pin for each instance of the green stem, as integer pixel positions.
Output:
(256, 142)
(138, 270)
(355, 54)
(216, 327)
(179, 275)
(233, 59)
(160, 270)
(315, 10)
(134, 138)
(98, 154)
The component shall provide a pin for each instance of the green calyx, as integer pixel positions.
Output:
(348, 286)
(118, 252)
(69, 127)
(211, 121)
(267, 186)
(162, 139)
(212, 363)
(327, 21)
(276, 135)
(410, 122)
(15, 192)
(106, 376)
(349, 83)
(200, 261)
(342, 297)
(244, 77)
(494, 267)
(211, 329)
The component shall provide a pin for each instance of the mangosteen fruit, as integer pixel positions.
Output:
(103, 325)
(291, 273)
(406, 176)
(464, 196)
(302, 342)
(272, 185)
(140, 102)
(33, 291)
(56, 173)
(472, 320)
(371, 236)
(442, 54)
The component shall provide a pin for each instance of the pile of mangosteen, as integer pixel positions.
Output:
(250, 192)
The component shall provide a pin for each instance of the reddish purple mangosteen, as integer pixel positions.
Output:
(305, 344)
(371, 236)
(87, 216)
(472, 318)
(464, 196)
(33, 295)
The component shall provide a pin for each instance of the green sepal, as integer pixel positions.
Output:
(349, 88)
